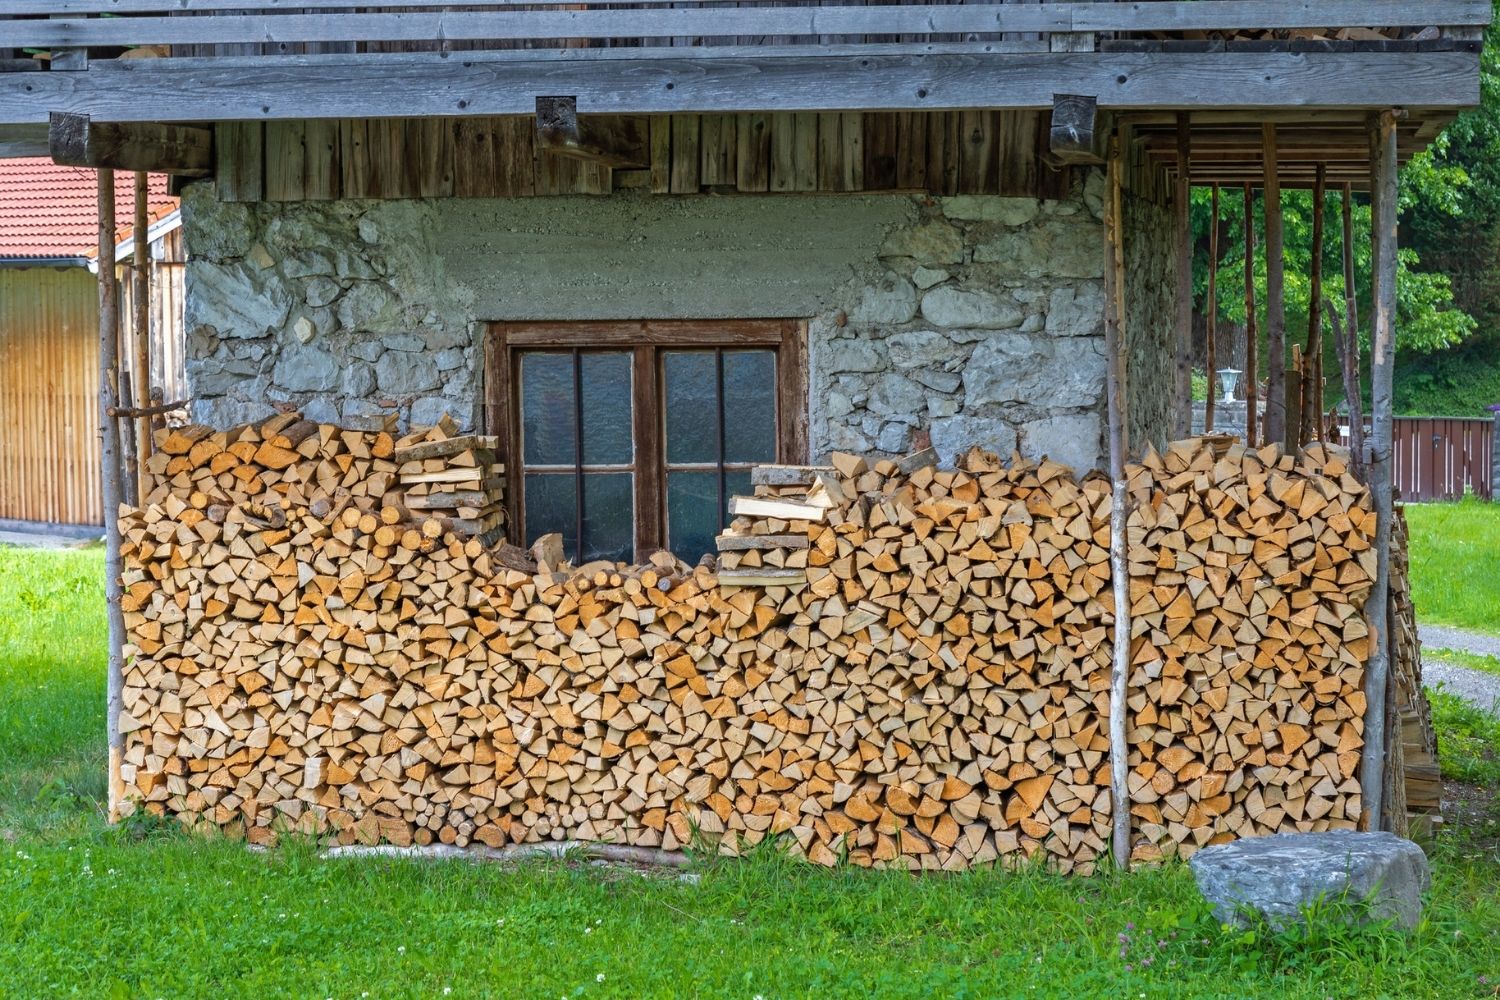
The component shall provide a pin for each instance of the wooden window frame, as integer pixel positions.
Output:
(646, 339)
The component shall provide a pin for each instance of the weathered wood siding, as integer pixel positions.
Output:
(49, 333)
(945, 152)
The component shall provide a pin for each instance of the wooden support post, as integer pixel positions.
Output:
(1117, 416)
(140, 361)
(1312, 358)
(1349, 352)
(109, 478)
(1252, 361)
(1292, 386)
(1182, 424)
(1275, 421)
(1211, 333)
(1382, 366)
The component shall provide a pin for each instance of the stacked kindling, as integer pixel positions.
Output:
(1248, 575)
(455, 477)
(897, 665)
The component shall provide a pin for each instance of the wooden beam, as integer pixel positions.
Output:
(1211, 347)
(140, 328)
(851, 19)
(614, 141)
(1382, 368)
(1182, 423)
(805, 78)
(1312, 356)
(109, 478)
(1117, 417)
(23, 140)
(1252, 361)
(1275, 420)
(1349, 350)
(1080, 131)
(78, 141)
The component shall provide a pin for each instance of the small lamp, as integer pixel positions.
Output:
(1229, 378)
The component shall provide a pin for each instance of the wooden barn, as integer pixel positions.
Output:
(643, 269)
(49, 331)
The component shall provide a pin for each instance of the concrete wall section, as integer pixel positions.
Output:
(975, 319)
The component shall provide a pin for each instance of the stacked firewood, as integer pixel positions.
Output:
(455, 477)
(1248, 574)
(895, 664)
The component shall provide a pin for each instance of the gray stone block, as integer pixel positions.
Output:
(892, 301)
(953, 436)
(980, 308)
(1065, 372)
(1279, 877)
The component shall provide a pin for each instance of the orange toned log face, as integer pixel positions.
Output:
(890, 663)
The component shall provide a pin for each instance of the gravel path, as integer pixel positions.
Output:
(1473, 686)
(1440, 637)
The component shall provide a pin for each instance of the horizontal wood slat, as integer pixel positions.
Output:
(646, 81)
(407, 25)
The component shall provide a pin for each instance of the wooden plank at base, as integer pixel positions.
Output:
(776, 79)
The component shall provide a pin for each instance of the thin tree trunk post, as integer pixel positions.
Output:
(1210, 347)
(1182, 425)
(1353, 392)
(1252, 361)
(141, 347)
(1312, 358)
(1293, 389)
(1117, 416)
(1382, 366)
(1275, 422)
(109, 477)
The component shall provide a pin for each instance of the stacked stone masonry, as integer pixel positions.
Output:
(975, 319)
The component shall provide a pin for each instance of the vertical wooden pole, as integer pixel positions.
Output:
(1211, 334)
(1115, 349)
(140, 363)
(1382, 367)
(1353, 392)
(1312, 358)
(109, 478)
(1275, 422)
(1252, 348)
(1182, 424)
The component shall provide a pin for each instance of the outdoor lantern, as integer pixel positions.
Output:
(1229, 378)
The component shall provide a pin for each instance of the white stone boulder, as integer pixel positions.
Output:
(1279, 877)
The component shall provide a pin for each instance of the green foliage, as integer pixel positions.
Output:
(1453, 563)
(1468, 740)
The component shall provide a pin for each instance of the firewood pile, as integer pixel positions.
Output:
(455, 477)
(1248, 575)
(892, 664)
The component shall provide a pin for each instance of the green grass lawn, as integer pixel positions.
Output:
(145, 911)
(1455, 563)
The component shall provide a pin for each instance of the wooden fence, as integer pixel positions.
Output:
(1442, 458)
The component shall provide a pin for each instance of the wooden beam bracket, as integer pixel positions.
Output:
(79, 141)
(613, 141)
(1080, 131)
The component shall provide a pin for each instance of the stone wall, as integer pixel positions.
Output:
(977, 319)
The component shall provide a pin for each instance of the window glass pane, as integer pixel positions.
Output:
(608, 516)
(692, 513)
(606, 409)
(547, 409)
(749, 406)
(736, 484)
(552, 505)
(692, 417)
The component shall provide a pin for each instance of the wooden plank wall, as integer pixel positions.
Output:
(49, 350)
(945, 152)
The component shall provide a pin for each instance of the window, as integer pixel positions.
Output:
(629, 437)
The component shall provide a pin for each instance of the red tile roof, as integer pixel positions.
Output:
(48, 210)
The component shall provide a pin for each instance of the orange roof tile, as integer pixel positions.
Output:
(48, 210)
